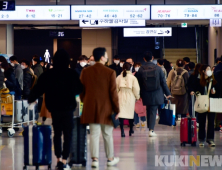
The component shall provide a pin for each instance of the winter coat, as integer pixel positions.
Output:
(79, 68)
(117, 68)
(60, 85)
(99, 94)
(152, 97)
(164, 71)
(218, 68)
(19, 74)
(27, 82)
(128, 91)
(218, 77)
(181, 101)
(2, 76)
(37, 70)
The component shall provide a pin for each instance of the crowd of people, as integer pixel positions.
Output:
(106, 89)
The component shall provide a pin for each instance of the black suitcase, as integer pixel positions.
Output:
(78, 154)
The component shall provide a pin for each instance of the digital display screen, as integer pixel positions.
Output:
(7, 5)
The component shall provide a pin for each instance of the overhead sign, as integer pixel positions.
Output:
(111, 23)
(148, 32)
(37, 13)
(215, 22)
(187, 12)
(183, 25)
(7, 5)
(80, 12)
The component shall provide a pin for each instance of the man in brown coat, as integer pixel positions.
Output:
(100, 100)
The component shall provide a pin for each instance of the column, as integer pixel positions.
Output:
(3, 39)
(10, 39)
(212, 44)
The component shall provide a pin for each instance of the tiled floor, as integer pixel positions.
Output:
(136, 152)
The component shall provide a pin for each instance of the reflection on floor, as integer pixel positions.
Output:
(136, 152)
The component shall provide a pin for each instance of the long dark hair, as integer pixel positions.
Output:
(5, 65)
(196, 70)
(126, 67)
(203, 81)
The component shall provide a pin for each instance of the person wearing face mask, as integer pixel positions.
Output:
(91, 60)
(116, 65)
(10, 80)
(18, 71)
(121, 63)
(180, 94)
(201, 85)
(37, 68)
(130, 60)
(82, 64)
(27, 79)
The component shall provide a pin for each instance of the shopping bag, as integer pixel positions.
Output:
(167, 115)
(140, 109)
(216, 105)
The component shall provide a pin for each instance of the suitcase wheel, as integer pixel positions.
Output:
(182, 144)
(37, 168)
(10, 134)
(49, 167)
(194, 144)
(25, 168)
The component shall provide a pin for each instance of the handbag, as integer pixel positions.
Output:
(167, 115)
(140, 109)
(202, 101)
(216, 103)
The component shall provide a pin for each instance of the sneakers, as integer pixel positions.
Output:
(201, 144)
(66, 167)
(138, 125)
(152, 134)
(95, 164)
(143, 125)
(211, 143)
(113, 162)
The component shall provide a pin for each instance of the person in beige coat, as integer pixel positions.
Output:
(128, 91)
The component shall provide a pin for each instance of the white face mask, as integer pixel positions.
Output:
(137, 69)
(116, 62)
(209, 73)
(2, 69)
(23, 67)
(12, 64)
(91, 63)
(121, 64)
(83, 64)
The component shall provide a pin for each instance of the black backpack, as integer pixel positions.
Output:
(151, 78)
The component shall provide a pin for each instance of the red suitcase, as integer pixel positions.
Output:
(188, 128)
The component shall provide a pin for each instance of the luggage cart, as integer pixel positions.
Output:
(11, 125)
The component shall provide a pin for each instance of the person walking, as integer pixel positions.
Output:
(27, 79)
(177, 81)
(61, 103)
(128, 91)
(82, 64)
(152, 89)
(160, 64)
(202, 85)
(186, 63)
(37, 68)
(100, 100)
(116, 65)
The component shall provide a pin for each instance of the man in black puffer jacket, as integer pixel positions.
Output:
(27, 79)
(60, 85)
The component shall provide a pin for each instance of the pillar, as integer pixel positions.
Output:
(3, 39)
(10, 39)
(212, 44)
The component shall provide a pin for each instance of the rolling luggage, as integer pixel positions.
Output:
(37, 146)
(78, 154)
(188, 128)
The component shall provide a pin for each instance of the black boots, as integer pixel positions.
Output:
(122, 133)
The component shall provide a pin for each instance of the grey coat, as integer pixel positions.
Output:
(19, 75)
(153, 97)
(38, 70)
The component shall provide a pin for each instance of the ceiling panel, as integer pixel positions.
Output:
(187, 2)
(71, 2)
(110, 2)
(144, 2)
(35, 2)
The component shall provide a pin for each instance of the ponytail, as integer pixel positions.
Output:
(124, 73)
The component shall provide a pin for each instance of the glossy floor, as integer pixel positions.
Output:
(136, 152)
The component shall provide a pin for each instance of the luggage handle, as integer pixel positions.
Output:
(193, 110)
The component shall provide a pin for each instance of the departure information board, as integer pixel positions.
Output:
(185, 12)
(37, 13)
(140, 12)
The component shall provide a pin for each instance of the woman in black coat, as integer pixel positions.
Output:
(10, 80)
(201, 84)
(27, 79)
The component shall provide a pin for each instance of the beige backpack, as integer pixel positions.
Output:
(178, 84)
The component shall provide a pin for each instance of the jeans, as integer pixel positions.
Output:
(136, 118)
(151, 116)
(202, 126)
(62, 123)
